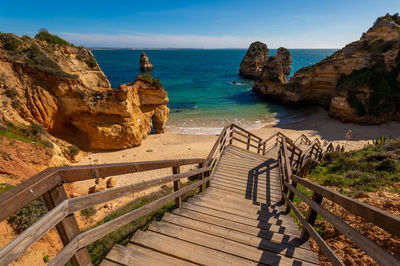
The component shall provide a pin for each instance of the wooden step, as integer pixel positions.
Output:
(185, 250)
(234, 199)
(234, 194)
(261, 216)
(258, 195)
(239, 219)
(244, 173)
(137, 255)
(272, 184)
(260, 243)
(244, 151)
(221, 244)
(244, 228)
(244, 210)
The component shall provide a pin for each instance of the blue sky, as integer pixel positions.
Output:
(197, 24)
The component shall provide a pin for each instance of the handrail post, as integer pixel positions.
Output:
(201, 189)
(68, 228)
(248, 141)
(230, 134)
(311, 216)
(177, 186)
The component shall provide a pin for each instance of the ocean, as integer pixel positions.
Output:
(200, 86)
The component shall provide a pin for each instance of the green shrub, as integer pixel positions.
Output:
(91, 62)
(88, 212)
(44, 35)
(10, 42)
(4, 187)
(34, 130)
(387, 165)
(46, 258)
(28, 215)
(146, 77)
(73, 150)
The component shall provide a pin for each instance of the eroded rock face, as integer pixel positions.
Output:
(284, 58)
(254, 60)
(63, 89)
(271, 78)
(145, 65)
(358, 83)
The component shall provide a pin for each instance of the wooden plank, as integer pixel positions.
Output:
(385, 220)
(254, 198)
(83, 202)
(84, 172)
(221, 244)
(262, 196)
(136, 255)
(279, 217)
(215, 147)
(311, 215)
(317, 238)
(260, 215)
(252, 180)
(68, 228)
(371, 248)
(240, 227)
(185, 250)
(106, 262)
(247, 132)
(266, 190)
(260, 243)
(27, 191)
(235, 150)
(239, 219)
(177, 185)
(19, 244)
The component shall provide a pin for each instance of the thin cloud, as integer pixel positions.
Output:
(143, 40)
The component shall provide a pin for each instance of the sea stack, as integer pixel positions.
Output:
(254, 60)
(284, 58)
(145, 65)
(271, 78)
(359, 83)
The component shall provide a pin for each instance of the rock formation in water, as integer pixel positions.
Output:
(145, 65)
(359, 83)
(271, 78)
(44, 80)
(284, 58)
(254, 60)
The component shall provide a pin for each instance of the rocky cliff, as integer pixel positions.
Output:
(145, 65)
(254, 60)
(45, 80)
(359, 83)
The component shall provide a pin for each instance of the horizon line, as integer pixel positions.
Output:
(189, 48)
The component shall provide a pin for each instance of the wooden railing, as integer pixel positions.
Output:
(50, 184)
(386, 221)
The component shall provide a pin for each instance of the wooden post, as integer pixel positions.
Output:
(67, 228)
(264, 146)
(177, 186)
(290, 197)
(248, 141)
(201, 176)
(311, 216)
(259, 146)
(231, 135)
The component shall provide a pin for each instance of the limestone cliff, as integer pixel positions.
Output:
(359, 83)
(284, 59)
(47, 81)
(254, 60)
(145, 65)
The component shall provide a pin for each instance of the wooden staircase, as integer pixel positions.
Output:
(238, 220)
(240, 216)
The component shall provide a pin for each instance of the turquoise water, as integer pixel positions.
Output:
(199, 84)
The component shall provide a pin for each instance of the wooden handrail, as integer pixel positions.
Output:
(19, 244)
(386, 221)
(27, 191)
(96, 233)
